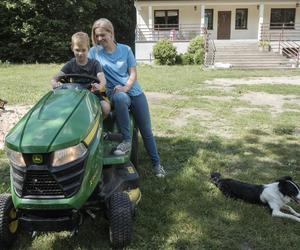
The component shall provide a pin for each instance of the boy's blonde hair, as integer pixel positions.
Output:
(80, 37)
(104, 24)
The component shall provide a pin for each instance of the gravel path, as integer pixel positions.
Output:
(8, 118)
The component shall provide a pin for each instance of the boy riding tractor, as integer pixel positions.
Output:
(62, 167)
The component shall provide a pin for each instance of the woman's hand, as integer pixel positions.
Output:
(121, 88)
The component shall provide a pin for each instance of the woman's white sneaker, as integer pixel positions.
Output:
(123, 148)
(159, 171)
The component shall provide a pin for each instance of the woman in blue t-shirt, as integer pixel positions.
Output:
(119, 66)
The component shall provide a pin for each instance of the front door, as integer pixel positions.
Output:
(224, 24)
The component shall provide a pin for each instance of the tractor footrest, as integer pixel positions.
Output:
(45, 221)
(115, 137)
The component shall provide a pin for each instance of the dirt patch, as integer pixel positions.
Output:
(245, 110)
(155, 97)
(218, 98)
(185, 114)
(227, 82)
(275, 102)
(8, 118)
(297, 131)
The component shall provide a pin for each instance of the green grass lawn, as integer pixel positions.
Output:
(199, 128)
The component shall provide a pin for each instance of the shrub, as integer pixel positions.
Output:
(178, 59)
(196, 44)
(164, 52)
(187, 59)
(195, 51)
(199, 57)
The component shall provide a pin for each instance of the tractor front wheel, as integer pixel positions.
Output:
(120, 218)
(8, 220)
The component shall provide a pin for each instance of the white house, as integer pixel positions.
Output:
(182, 20)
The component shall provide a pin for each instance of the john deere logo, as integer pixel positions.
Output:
(37, 159)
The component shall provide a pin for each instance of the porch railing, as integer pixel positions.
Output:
(210, 48)
(290, 49)
(180, 32)
(286, 35)
(275, 31)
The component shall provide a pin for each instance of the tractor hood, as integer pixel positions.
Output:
(62, 118)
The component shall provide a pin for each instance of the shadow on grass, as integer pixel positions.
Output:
(184, 210)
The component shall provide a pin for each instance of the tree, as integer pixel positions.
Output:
(40, 30)
(123, 16)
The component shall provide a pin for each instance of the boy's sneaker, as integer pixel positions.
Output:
(123, 148)
(159, 171)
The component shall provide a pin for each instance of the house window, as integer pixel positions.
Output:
(209, 19)
(241, 19)
(166, 19)
(282, 18)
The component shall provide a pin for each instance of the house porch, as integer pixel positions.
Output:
(181, 21)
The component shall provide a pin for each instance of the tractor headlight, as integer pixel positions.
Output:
(15, 158)
(67, 155)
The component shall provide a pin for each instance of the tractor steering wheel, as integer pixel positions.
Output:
(76, 81)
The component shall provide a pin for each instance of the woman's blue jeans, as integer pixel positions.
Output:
(138, 105)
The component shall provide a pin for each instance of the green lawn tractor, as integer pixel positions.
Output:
(62, 167)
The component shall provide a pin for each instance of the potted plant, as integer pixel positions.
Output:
(264, 45)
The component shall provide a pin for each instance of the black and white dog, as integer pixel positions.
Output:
(274, 195)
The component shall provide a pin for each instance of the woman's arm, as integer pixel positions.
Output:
(132, 77)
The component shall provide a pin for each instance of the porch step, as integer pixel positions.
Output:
(242, 62)
(246, 54)
(261, 67)
(253, 58)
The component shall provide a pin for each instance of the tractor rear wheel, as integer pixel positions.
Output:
(8, 220)
(120, 218)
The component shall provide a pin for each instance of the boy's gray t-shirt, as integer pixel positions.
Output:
(92, 67)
